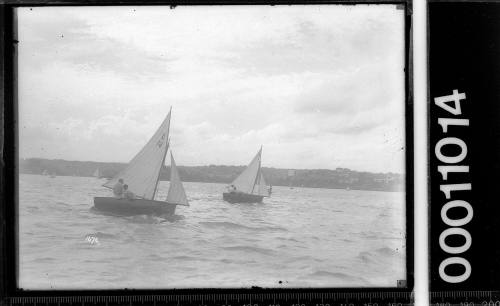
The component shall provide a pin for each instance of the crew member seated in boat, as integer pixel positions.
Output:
(127, 194)
(118, 188)
(231, 188)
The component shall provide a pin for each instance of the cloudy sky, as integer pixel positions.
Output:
(317, 86)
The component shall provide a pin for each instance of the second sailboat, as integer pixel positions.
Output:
(250, 186)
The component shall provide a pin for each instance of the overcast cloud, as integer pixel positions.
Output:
(317, 86)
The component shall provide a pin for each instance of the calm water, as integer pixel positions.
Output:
(300, 237)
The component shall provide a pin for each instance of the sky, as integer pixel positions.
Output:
(318, 86)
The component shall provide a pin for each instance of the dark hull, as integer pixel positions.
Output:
(128, 207)
(236, 197)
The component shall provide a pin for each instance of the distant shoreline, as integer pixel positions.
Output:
(340, 178)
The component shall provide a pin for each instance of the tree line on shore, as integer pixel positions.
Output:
(340, 178)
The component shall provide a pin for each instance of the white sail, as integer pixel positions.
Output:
(143, 171)
(96, 173)
(249, 181)
(176, 193)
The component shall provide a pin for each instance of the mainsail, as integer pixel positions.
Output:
(176, 193)
(251, 179)
(96, 173)
(143, 171)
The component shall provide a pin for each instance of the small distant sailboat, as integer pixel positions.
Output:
(250, 186)
(142, 176)
(45, 172)
(97, 173)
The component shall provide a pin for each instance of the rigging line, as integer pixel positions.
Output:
(164, 154)
(257, 177)
(161, 166)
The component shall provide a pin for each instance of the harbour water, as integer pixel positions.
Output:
(300, 237)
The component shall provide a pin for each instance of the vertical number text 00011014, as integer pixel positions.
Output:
(463, 54)
(451, 152)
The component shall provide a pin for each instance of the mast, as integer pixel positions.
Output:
(159, 172)
(164, 155)
(257, 177)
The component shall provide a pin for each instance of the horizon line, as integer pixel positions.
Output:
(208, 165)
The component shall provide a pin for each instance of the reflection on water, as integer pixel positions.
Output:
(301, 237)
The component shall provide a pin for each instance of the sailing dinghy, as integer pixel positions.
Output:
(142, 175)
(250, 186)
